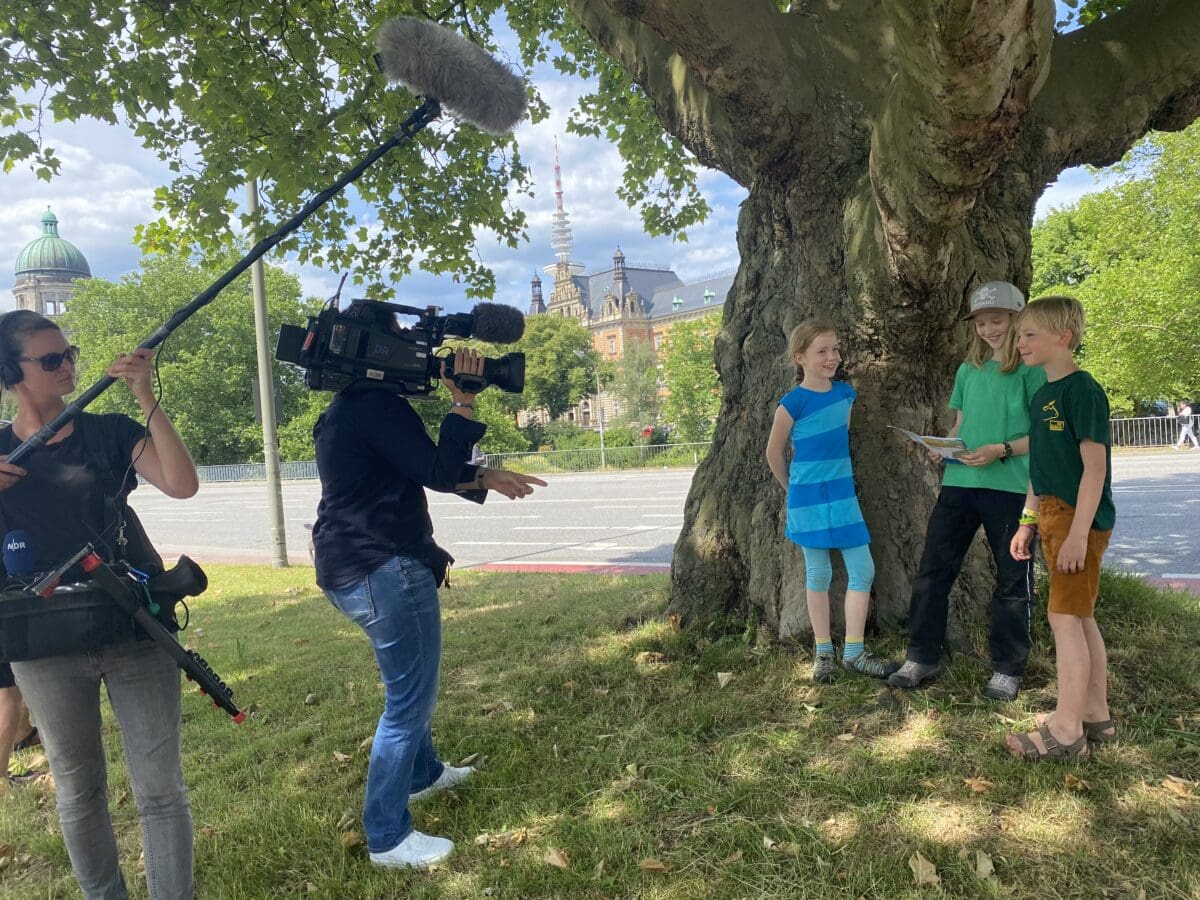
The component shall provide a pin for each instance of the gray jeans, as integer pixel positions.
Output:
(63, 693)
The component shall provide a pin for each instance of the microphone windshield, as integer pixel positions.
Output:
(497, 323)
(20, 559)
(433, 61)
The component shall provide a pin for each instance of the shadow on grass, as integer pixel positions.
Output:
(607, 736)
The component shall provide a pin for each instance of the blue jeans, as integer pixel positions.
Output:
(397, 606)
(63, 693)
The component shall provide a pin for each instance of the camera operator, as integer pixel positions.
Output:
(377, 563)
(61, 498)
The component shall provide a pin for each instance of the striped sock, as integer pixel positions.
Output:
(825, 646)
(854, 648)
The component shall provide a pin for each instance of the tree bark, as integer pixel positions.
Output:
(906, 174)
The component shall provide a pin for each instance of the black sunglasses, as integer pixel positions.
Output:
(52, 362)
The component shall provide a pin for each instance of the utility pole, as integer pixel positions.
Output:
(266, 396)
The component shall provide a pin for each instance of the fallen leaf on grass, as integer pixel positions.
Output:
(732, 858)
(1179, 786)
(351, 839)
(1075, 783)
(345, 822)
(366, 742)
(650, 658)
(768, 844)
(342, 757)
(557, 858)
(472, 760)
(723, 678)
(789, 847)
(924, 872)
(983, 865)
(653, 865)
(503, 840)
(496, 706)
(847, 737)
(978, 785)
(598, 872)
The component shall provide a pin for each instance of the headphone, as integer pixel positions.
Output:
(10, 367)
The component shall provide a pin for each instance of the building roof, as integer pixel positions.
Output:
(707, 292)
(51, 256)
(644, 281)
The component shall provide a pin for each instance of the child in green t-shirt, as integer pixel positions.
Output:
(1069, 502)
(992, 392)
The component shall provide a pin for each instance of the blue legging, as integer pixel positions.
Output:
(860, 568)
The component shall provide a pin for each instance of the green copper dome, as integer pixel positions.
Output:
(50, 255)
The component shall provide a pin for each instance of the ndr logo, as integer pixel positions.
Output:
(15, 544)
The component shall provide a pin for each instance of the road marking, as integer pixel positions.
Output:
(483, 518)
(584, 528)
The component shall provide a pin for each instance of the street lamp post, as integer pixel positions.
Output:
(599, 404)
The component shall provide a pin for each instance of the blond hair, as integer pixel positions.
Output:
(1057, 313)
(801, 339)
(980, 352)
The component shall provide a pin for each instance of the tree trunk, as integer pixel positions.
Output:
(821, 256)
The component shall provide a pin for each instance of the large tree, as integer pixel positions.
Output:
(893, 151)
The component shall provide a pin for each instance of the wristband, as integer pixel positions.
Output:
(1008, 452)
(458, 404)
(1028, 525)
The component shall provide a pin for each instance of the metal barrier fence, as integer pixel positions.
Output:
(1148, 431)
(649, 456)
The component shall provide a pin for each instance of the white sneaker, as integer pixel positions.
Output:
(417, 851)
(451, 776)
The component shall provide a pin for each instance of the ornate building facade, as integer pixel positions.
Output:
(46, 271)
(620, 305)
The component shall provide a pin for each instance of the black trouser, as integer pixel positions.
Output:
(952, 527)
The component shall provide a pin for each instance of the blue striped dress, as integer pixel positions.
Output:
(822, 509)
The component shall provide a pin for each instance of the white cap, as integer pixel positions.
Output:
(996, 295)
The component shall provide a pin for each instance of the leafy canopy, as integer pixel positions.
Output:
(289, 93)
(1129, 254)
(694, 391)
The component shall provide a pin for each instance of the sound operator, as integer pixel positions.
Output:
(378, 564)
(70, 492)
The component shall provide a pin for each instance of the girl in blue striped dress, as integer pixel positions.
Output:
(822, 509)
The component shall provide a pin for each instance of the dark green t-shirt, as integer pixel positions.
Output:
(1062, 414)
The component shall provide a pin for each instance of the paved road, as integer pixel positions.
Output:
(631, 519)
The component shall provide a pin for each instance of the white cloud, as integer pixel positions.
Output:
(1070, 186)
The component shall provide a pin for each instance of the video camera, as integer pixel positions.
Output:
(365, 344)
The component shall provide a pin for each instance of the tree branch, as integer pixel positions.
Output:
(722, 76)
(967, 72)
(1134, 71)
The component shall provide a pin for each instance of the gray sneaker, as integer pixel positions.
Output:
(825, 668)
(1003, 687)
(867, 663)
(912, 674)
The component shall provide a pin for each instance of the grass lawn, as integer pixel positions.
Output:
(615, 764)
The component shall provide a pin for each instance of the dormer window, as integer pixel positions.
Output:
(708, 296)
(676, 303)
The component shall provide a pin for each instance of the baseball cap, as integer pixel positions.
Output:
(996, 295)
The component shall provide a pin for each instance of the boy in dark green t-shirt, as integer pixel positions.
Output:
(1069, 502)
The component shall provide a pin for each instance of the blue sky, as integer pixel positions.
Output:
(107, 183)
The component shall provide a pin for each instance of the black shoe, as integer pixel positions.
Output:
(33, 739)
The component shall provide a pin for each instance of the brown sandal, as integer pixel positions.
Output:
(1054, 750)
(1100, 732)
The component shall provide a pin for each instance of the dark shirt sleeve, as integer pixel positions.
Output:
(1089, 413)
(399, 436)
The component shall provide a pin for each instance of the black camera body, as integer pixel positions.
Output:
(364, 345)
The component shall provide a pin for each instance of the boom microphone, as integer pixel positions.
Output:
(434, 62)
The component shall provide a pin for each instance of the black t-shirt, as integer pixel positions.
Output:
(61, 501)
(375, 459)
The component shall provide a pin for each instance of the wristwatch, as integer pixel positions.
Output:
(1008, 452)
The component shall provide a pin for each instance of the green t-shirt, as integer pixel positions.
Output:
(1064, 413)
(995, 408)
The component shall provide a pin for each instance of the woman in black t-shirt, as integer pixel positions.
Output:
(58, 498)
